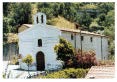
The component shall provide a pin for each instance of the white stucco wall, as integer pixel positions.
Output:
(67, 36)
(38, 15)
(97, 47)
(87, 44)
(28, 43)
(105, 47)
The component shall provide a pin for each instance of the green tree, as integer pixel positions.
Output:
(15, 14)
(64, 50)
(105, 7)
(28, 59)
(110, 18)
(110, 32)
(84, 20)
(47, 8)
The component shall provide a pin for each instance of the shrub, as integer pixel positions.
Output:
(106, 62)
(28, 60)
(65, 51)
(67, 73)
(14, 60)
(86, 59)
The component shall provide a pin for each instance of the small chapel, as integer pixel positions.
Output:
(39, 39)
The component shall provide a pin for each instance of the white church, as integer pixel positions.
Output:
(39, 39)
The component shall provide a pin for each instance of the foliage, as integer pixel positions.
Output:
(111, 34)
(75, 12)
(15, 14)
(3, 75)
(61, 23)
(94, 26)
(85, 20)
(105, 7)
(86, 59)
(12, 38)
(67, 73)
(110, 18)
(111, 57)
(106, 62)
(14, 60)
(28, 59)
(64, 50)
(89, 6)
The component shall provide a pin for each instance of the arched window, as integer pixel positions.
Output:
(82, 38)
(91, 39)
(39, 42)
(37, 20)
(72, 37)
(41, 18)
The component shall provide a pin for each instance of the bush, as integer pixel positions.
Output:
(86, 59)
(14, 60)
(67, 73)
(28, 59)
(65, 51)
(106, 62)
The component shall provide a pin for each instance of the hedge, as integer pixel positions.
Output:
(67, 73)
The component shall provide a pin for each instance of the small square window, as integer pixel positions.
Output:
(72, 37)
(39, 42)
(82, 38)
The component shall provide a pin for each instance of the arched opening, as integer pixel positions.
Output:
(40, 59)
(41, 18)
(39, 42)
(37, 20)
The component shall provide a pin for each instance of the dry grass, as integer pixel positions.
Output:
(12, 37)
(106, 62)
(61, 22)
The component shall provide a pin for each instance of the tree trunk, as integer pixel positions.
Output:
(28, 71)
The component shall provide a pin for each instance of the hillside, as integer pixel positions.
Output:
(61, 22)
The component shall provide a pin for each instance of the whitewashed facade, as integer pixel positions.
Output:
(39, 40)
(29, 40)
(90, 41)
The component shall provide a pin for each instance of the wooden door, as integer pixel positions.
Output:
(40, 61)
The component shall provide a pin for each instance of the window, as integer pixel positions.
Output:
(91, 39)
(72, 37)
(108, 42)
(41, 18)
(82, 38)
(39, 42)
(37, 20)
(77, 26)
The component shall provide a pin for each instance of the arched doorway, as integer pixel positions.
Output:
(40, 59)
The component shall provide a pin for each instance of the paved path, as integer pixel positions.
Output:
(13, 72)
(101, 72)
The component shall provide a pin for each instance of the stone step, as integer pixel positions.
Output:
(101, 72)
